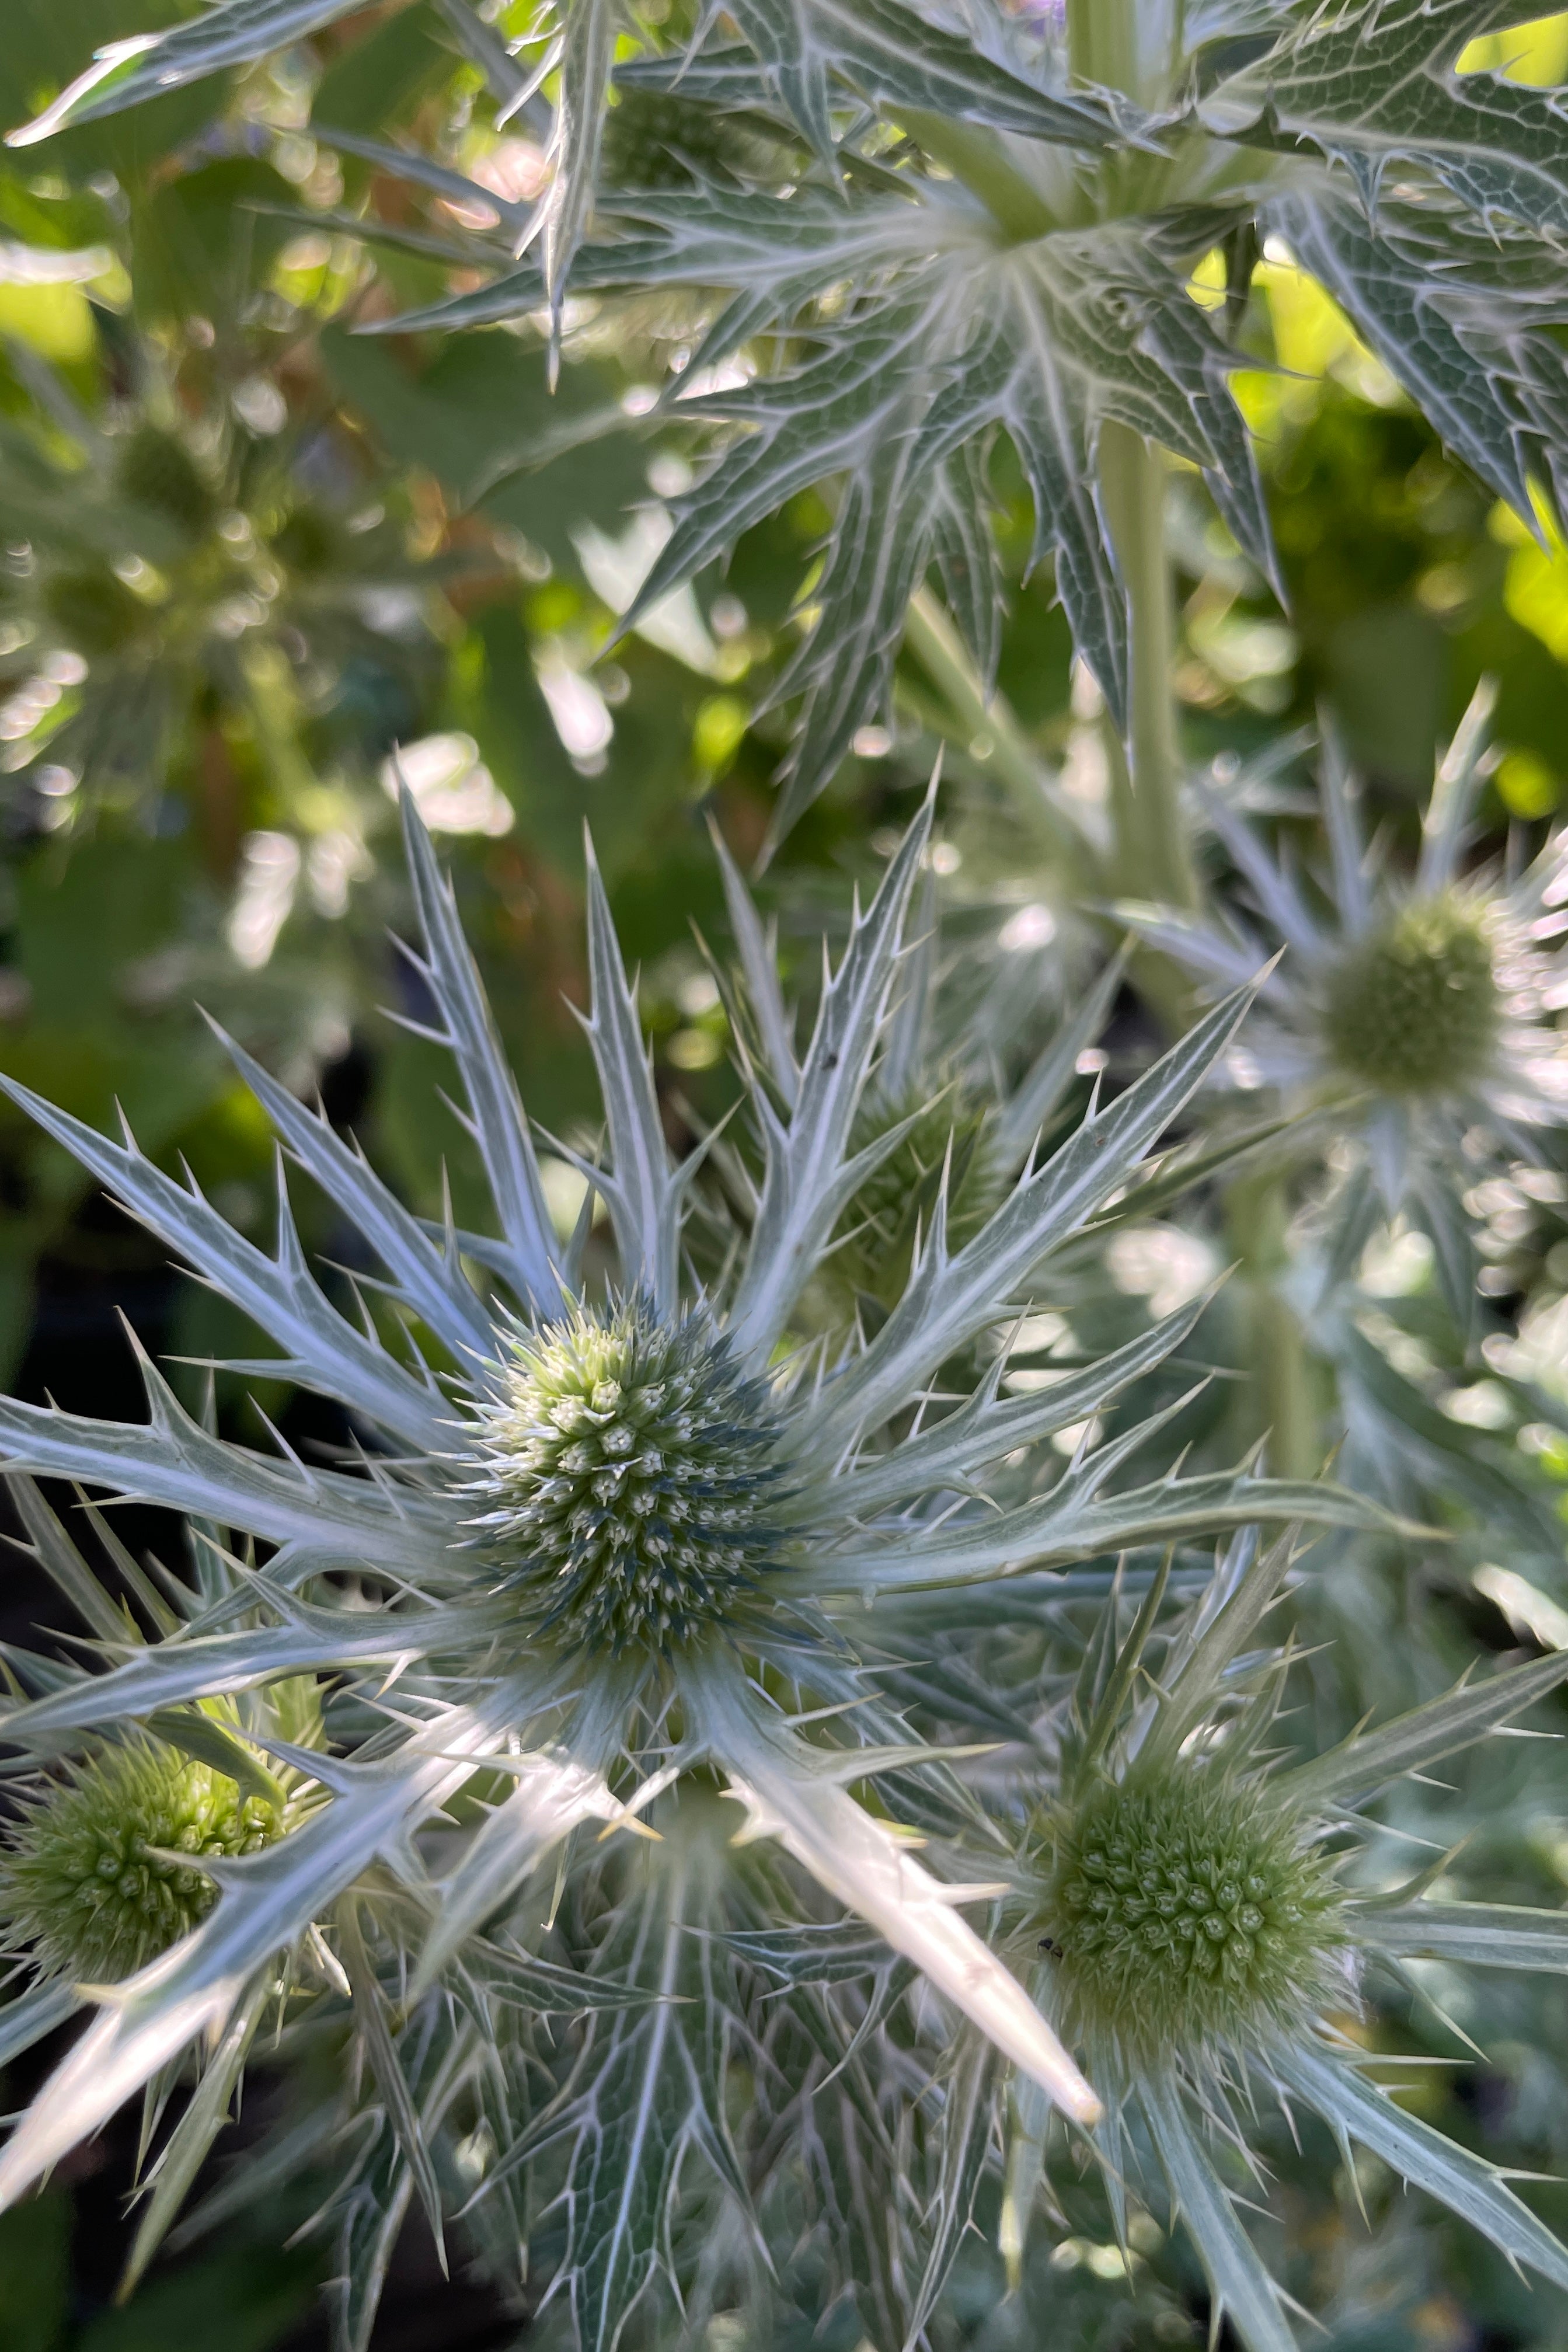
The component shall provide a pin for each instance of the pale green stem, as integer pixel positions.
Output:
(1152, 857)
(1278, 1396)
(1116, 44)
(1119, 45)
(979, 159)
(1103, 39)
(1129, 45)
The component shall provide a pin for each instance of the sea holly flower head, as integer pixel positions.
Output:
(1416, 1006)
(1184, 1914)
(109, 1865)
(628, 1467)
(627, 1541)
(1206, 1911)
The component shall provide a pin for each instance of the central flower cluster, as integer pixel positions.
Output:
(1182, 1911)
(628, 1462)
(92, 1880)
(1414, 1008)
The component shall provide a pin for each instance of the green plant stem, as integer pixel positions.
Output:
(979, 159)
(1277, 1397)
(1152, 858)
(1102, 41)
(1111, 43)
(1124, 44)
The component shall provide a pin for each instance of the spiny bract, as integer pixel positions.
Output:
(1183, 1910)
(1414, 1008)
(89, 1880)
(628, 1461)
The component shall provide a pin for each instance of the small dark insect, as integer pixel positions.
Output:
(1049, 1944)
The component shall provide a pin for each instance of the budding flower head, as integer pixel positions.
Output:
(948, 1134)
(1432, 996)
(627, 1464)
(1414, 1008)
(1200, 1939)
(1184, 1911)
(90, 1879)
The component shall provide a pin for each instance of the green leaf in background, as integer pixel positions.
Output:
(34, 2273)
(128, 72)
(482, 419)
(201, 240)
(376, 81)
(45, 48)
(245, 2302)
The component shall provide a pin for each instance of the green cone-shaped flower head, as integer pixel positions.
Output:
(1184, 1911)
(1414, 1008)
(89, 1880)
(892, 1206)
(629, 1465)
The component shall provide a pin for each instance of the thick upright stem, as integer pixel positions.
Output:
(1278, 1396)
(1128, 45)
(1153, 855)
(1103, 39)
(979, 160)
(1131, 46)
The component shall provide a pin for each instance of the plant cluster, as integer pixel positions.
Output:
(662, 1541)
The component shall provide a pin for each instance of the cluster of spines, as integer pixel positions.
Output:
(1184, 1911)
(91, 1879)
(627, 1464)
(949, 1137)
(1415, 1007)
